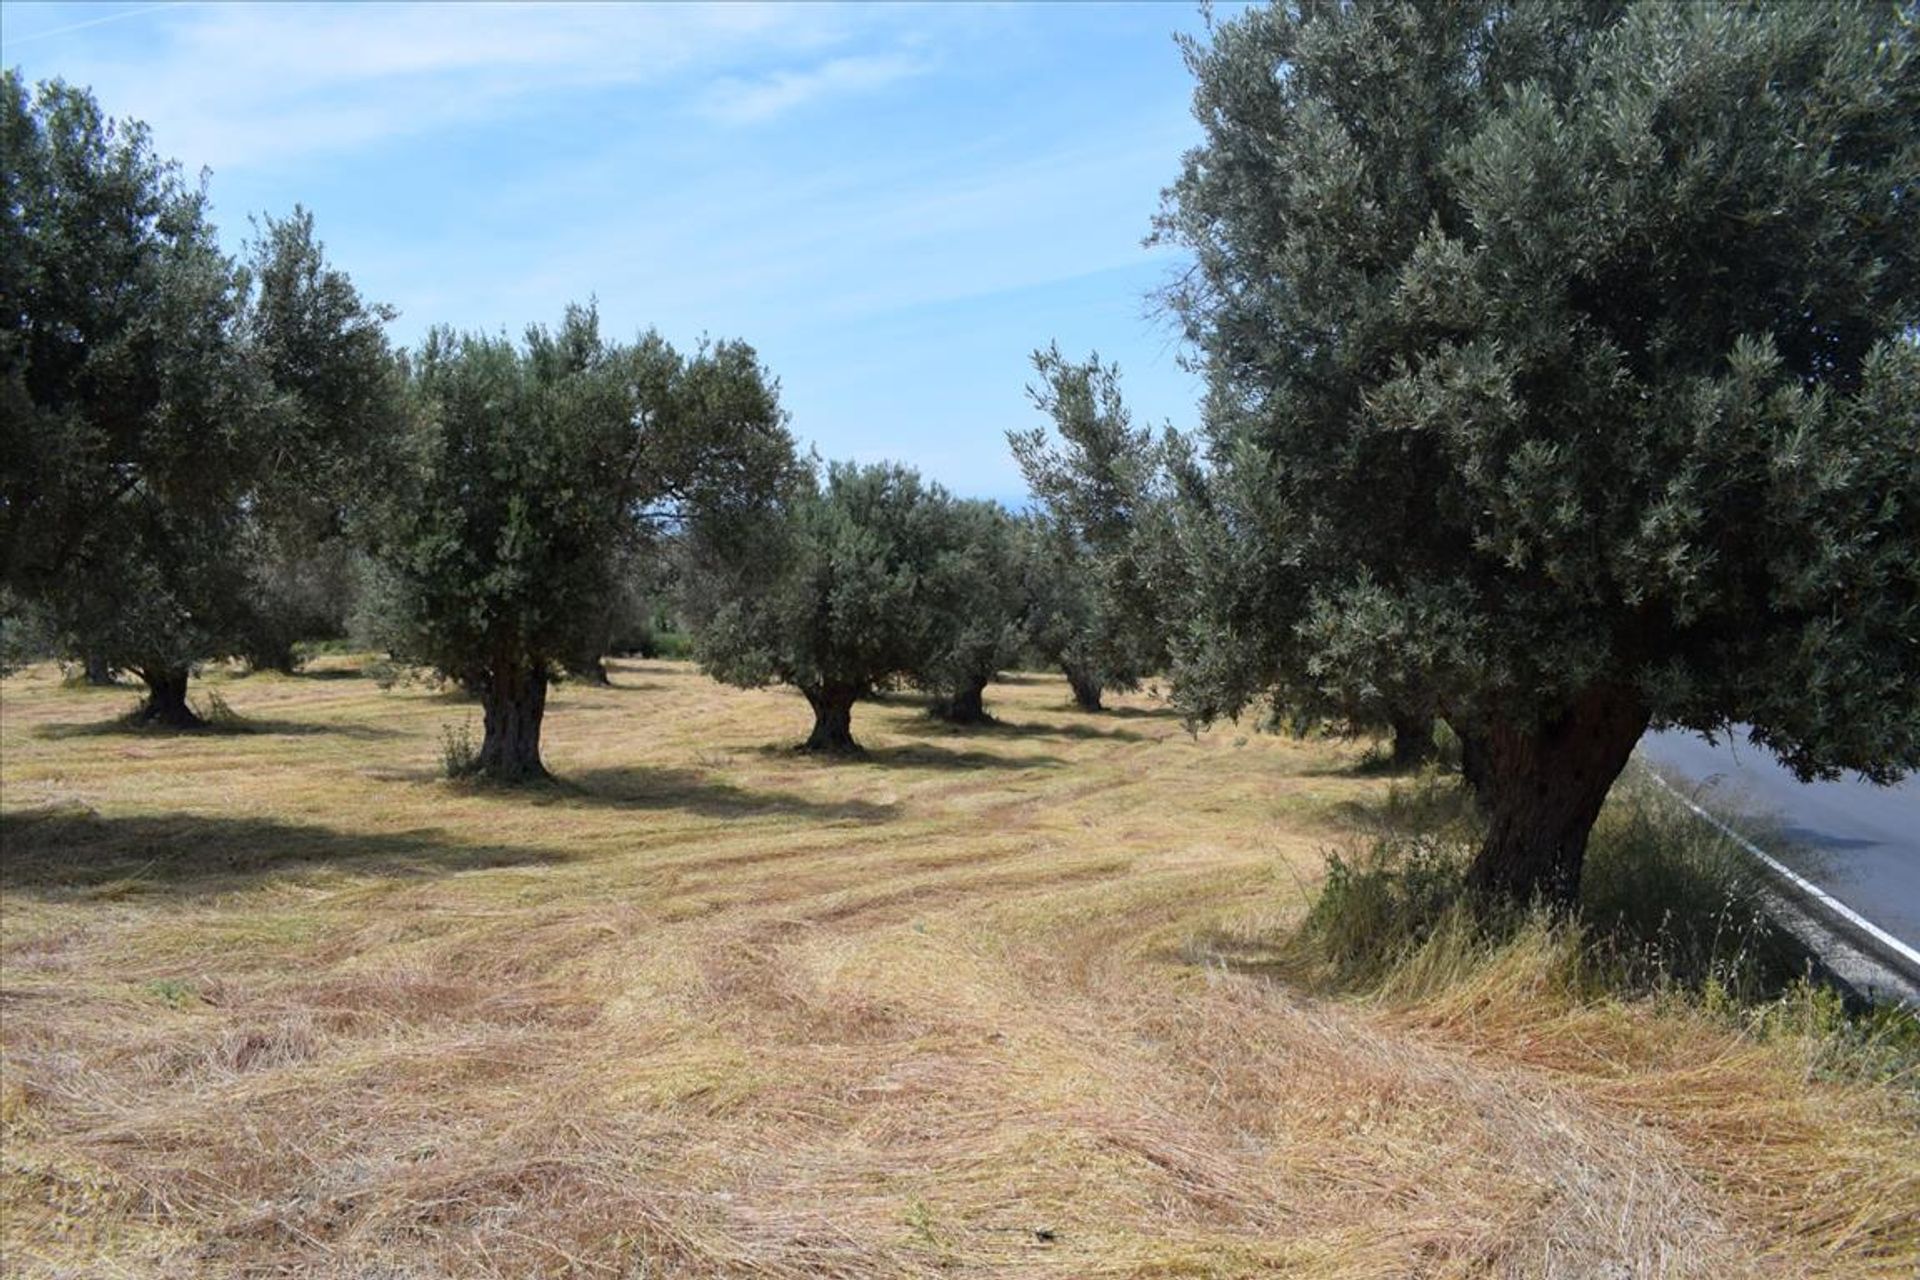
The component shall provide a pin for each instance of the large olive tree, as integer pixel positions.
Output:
(537, 468)
(163, 409)
(1562, 375)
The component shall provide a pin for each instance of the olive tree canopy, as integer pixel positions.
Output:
(164, 410)
(839, 598)
(1562, 372)
(537, 468)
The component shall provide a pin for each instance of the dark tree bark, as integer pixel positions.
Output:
(965, 706)
(514, 701)
(99, 670)
(1413, 743)
(1475, 769)
(1545, 784)
(166, 702)
(832, 719)
(1086, 687)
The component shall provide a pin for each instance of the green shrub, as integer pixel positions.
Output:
(1670, 909)
(1670, 901)
(676, 646)
(459, 756)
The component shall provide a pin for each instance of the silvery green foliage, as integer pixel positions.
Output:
(1101, 581)
(127, 396)
(974, 583)
(1561, 348)
(538, 472)
(840, 594)
(179, 429)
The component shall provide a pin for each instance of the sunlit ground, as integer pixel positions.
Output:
(283, 1002)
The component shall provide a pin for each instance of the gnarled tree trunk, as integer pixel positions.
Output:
(514, 701)
(966, 705)
(99, 671)
(832, 719)
(1086, 687)
(1544, 785)
(166, 702)
(1413, 743)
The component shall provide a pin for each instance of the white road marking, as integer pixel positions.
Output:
(1800, 882)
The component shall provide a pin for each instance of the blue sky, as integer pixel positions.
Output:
(894, 204)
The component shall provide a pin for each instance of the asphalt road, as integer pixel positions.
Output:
(1857, 841)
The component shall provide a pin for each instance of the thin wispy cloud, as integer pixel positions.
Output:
(736, 100)
(47, 33)
(242, 84)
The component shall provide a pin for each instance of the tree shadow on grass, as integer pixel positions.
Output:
(73, 852)
(930, 757)
(910, 757)
(223, 726)
(936, 729)
(691, 792)
(1133, 713)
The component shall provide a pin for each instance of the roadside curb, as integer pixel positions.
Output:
(1822, 910)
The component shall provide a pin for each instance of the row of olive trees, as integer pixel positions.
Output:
(1562, 382)
(197, 449)
(866, 578)
(208, 458)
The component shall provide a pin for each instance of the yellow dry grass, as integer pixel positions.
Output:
(283, 1003)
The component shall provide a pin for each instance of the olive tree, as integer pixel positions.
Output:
(164, 409)
(334, 417)
(126, 422)
(1562, 374)
(838, 598)
(974, 584)
(538, 468)
(1067, 622)
(1098, 598)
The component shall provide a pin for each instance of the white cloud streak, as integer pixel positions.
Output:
(739, 101)
(239, 85)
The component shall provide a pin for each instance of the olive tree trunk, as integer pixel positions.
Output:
(514, 701)
(832, 719)
(166, 702)
(99, 671)
(1086, 687)
(1543, 785)
(966, 705)
(1413, 743)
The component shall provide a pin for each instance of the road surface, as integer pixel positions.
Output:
(1857, 841)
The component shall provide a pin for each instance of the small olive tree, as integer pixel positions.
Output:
(838, 598)
(1097, 557)
(974, 584)
(538, 468)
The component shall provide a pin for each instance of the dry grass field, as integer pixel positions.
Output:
(283, 1003)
